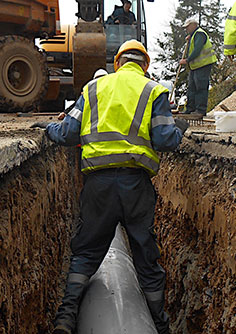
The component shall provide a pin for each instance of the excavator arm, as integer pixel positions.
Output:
(89, 42)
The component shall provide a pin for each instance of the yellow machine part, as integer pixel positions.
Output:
(89, 45)
(61, 42)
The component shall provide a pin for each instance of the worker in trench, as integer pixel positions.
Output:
(201, 57)
(122, 121)
(230, 34)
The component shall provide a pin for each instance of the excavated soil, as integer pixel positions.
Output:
(195, 225)
(38, 205)
(196, 228)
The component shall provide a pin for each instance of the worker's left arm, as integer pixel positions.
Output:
(199, 41)
(67, 133)
(165, 135)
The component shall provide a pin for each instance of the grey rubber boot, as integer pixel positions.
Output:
(160, 317)
(66, 315)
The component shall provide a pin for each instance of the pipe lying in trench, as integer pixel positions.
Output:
(113, 302)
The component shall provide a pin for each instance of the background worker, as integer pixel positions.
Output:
(200, 58)
(99, 73)
(124, 118)
(230, 34)
(123, 15)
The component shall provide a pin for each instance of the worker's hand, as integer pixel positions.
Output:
(41, 125)
(231, 58)
(61, 116)
(187, 38)
(183, 62)
(181, 124)
(117, 22)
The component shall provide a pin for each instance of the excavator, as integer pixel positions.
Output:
(31, 77)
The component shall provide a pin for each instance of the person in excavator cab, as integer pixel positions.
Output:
(122, 14)
(123, 120)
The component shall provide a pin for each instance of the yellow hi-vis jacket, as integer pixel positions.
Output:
(230, 33)
(116, 121)
(207, 55)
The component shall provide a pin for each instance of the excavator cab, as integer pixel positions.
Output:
(120, 22)
(102, 27)
(121, 25)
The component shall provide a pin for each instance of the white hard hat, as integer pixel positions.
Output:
(99, 73)
(189, 21)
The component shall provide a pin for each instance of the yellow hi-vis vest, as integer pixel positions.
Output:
(116, 121)
(230, 33)
(207, 55)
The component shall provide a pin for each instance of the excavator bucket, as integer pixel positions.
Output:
(89, 52)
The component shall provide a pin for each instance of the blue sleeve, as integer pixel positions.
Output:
(67, 133)
(80, 103)
(165, 135)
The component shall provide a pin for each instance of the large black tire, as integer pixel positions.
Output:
(54, 105)
(23, 74)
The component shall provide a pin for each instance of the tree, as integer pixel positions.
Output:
(209, 13)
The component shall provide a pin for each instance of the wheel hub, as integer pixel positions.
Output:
(19, 76)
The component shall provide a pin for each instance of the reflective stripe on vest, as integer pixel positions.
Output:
(232, 17)
(229, 47)
(162, 120)
(76, 113)
(129, 149)
(114, 159)
(207, 55)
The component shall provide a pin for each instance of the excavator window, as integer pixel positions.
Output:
(114, 8)
(119, 32)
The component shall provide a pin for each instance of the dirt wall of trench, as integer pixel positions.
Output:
(196, 228)
(38, 205)
(195, 225)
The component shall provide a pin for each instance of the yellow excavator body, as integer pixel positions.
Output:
(60, 43)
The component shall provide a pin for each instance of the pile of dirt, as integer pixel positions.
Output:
(229, 103)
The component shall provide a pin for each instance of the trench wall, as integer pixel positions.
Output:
(196, 228)
(38, 205)
(195, 225)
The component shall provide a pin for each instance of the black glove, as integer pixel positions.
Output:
(41, 125)
(181, 124)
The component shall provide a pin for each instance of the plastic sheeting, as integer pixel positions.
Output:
(114, 302)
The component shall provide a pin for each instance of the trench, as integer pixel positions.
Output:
(195, 227)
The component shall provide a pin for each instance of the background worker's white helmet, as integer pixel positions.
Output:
(99, 73)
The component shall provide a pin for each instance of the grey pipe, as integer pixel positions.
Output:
(114, 302)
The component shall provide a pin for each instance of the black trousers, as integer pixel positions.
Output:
(198, 85)
(110, 196)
